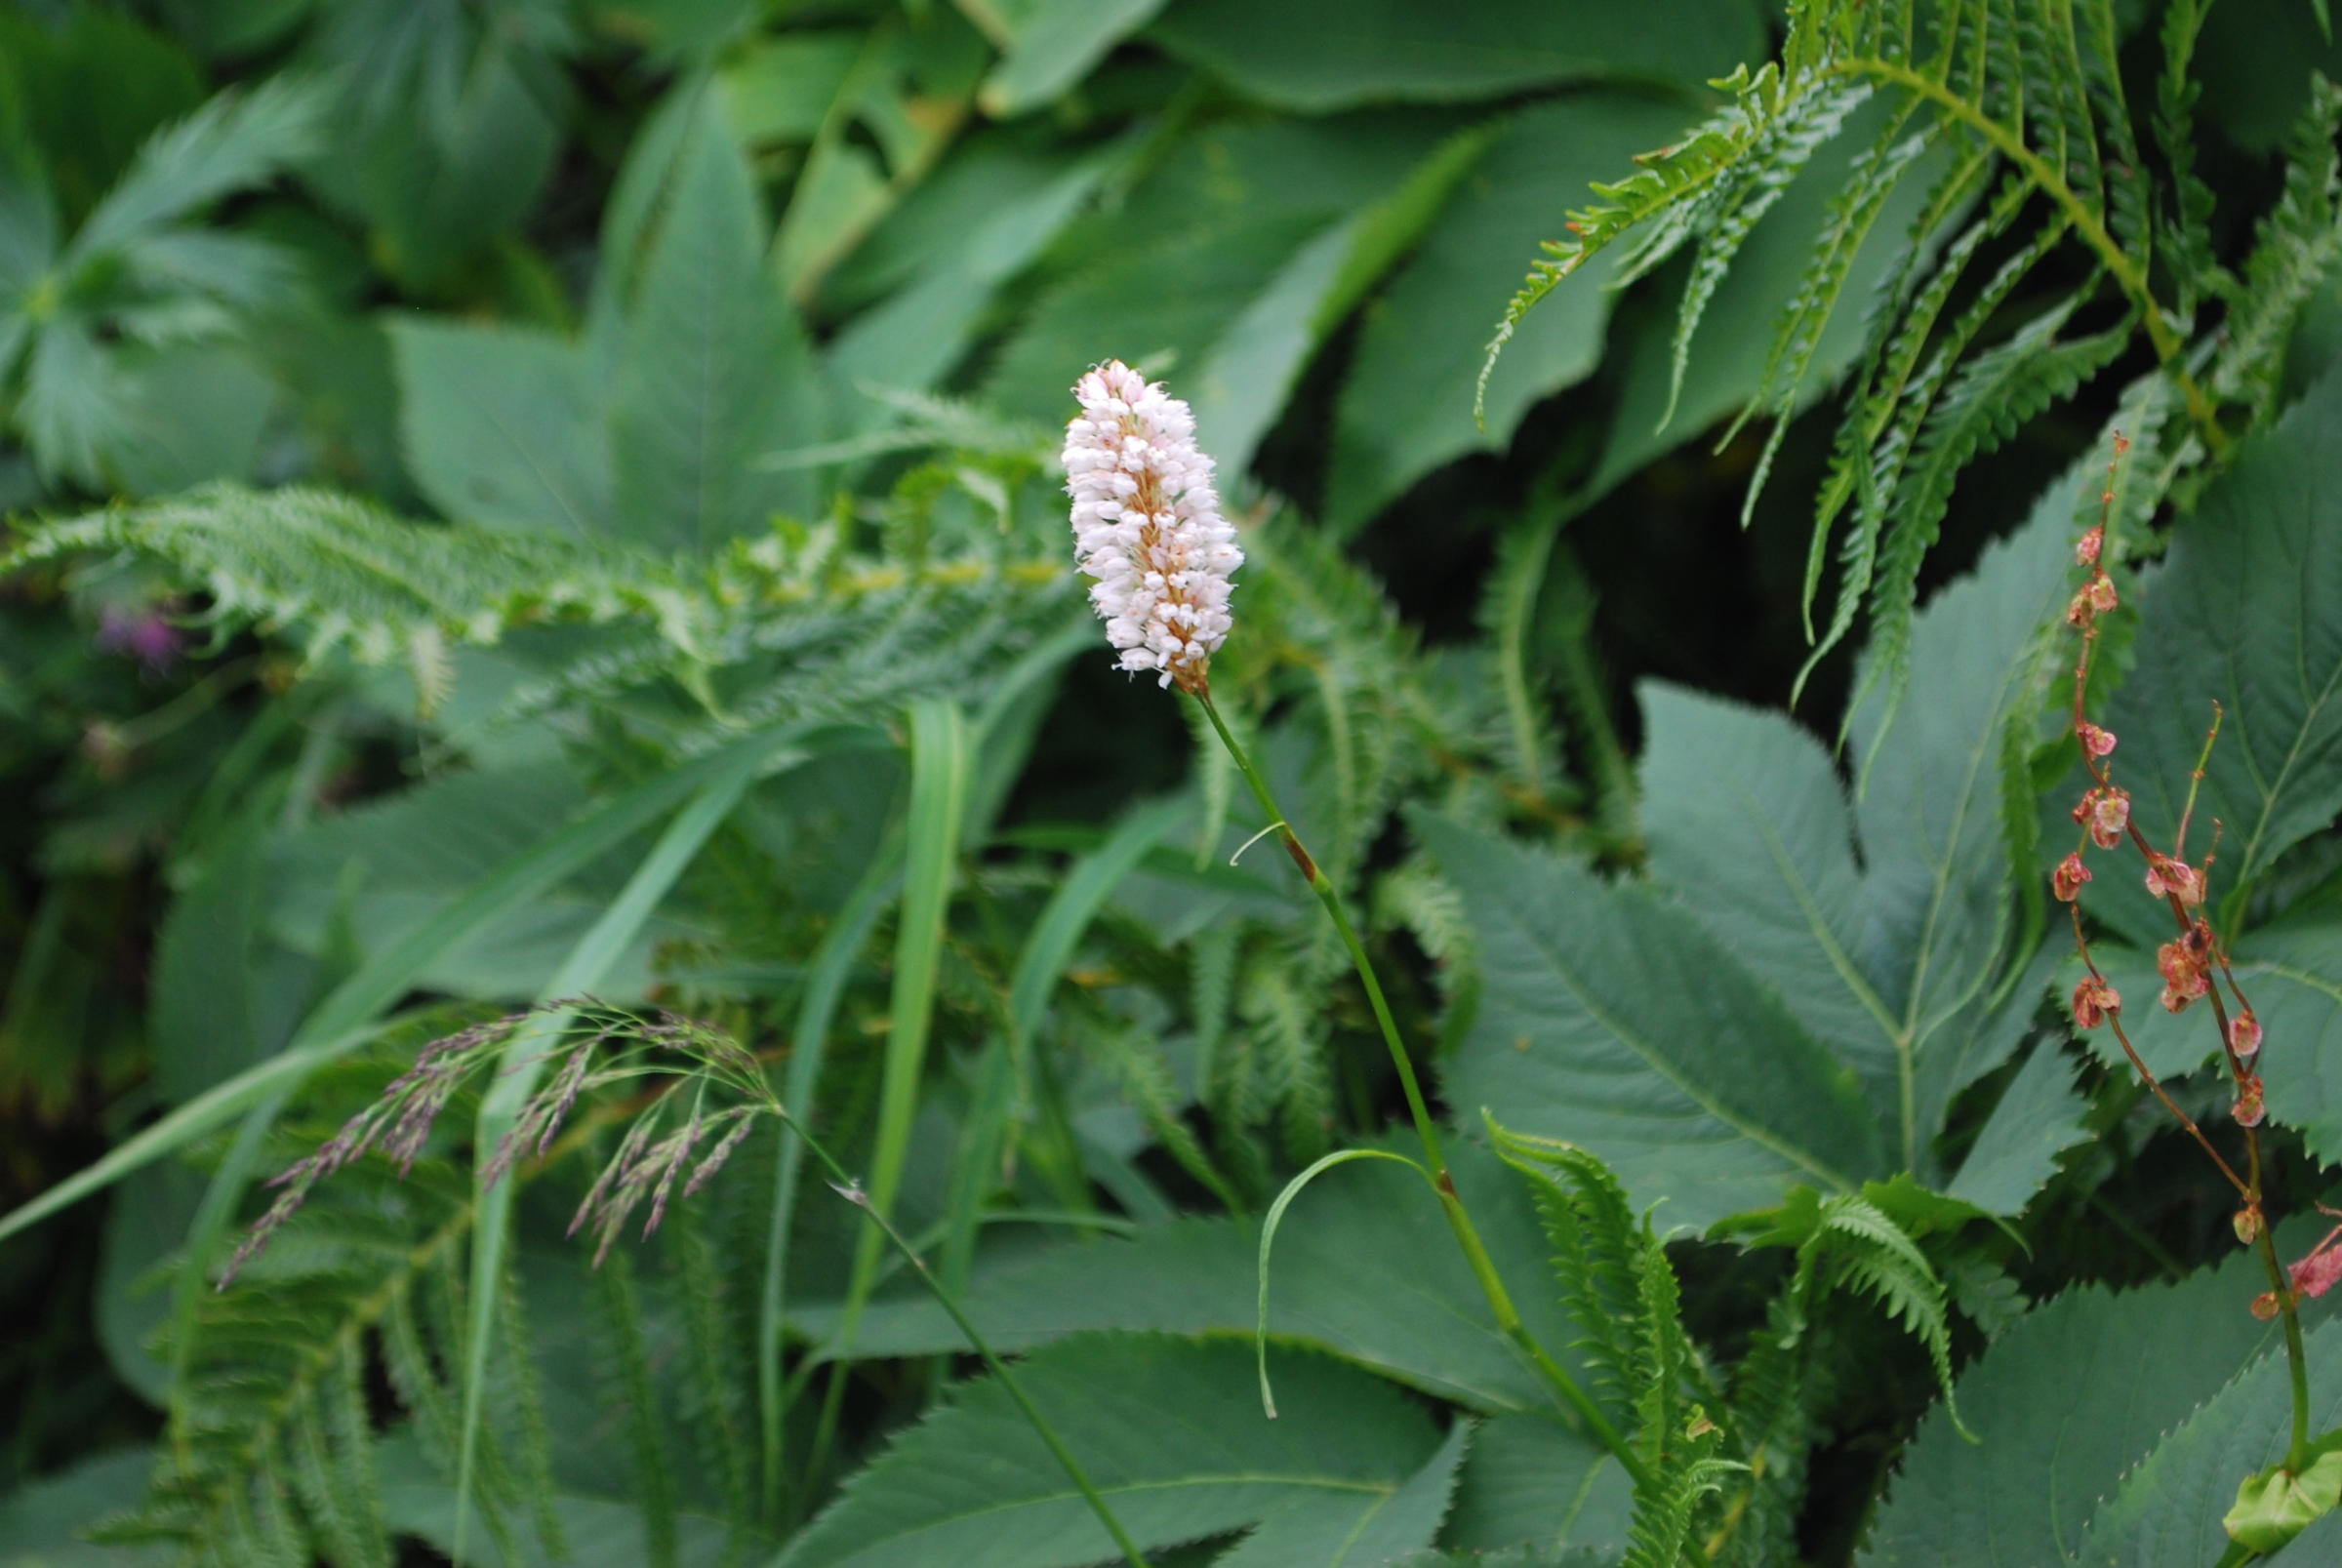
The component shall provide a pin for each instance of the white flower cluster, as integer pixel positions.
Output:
(1147, 525)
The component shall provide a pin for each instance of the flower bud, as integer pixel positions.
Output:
(2086, 549)
(2246, 1223)
(2176, 879)
(2096, 742)
(2244, 1034)
(2264, 1306)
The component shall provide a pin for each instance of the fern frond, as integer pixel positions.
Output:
(2184, 234)
(1857, 1246)
(1779, 153)
(236, 141)
(1292, 1047)
(1995, 394)
(1665, 193)
(1599, 1262)
(2294, 250)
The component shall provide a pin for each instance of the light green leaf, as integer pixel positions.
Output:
(2069, 1403)
(1365, 1267)
(2246, 612)
(1531, 1480)
(715, 370)
(1348, 1532)
(41, 1523)
(1168, 1430)
(503, 425)
(1055, 45)
(1319, 55)
(1407, 406)
(2039, 1116)
(1613, 1020)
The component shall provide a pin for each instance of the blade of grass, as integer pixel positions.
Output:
(825, 985)
(940, 756)
(522, 1063)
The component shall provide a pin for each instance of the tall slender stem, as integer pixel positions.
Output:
(851, 1190)
(1451, 1203)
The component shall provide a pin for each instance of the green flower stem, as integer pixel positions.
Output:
(1475, 1253)
(2297, 1451)
(851, 1190)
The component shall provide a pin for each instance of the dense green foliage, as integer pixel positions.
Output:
(533, 520)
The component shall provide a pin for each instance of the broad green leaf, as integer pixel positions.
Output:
(1321, 54)
(446, 129)
(198, 412)
(715, 372)
(1168, 1430)
(1056, 43)
(2068, 1404)
(1350, 1532)
(2292, 972)
(2039, 1117)
(919, 333)
(1891, 960)
(2246, 612)
(1225, 215)
(1611, 1019)
(1407, 405)
(503, 425)
(41, 1523)
(1531, 1480)
(1365, 1267)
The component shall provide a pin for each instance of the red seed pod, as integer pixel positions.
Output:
(2244, 1034)
(2093, 999)
(2067, 880)
(2264, 1306)
(2247, 1224)
(2101, 593)
(2098, 743)
(2168, 877)
(2250, 1110)
(2106, 813)
(2087, 548)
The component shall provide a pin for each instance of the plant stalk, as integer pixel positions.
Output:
(1451, 1203)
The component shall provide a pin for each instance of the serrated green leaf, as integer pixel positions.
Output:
(1170, 1432)
(2247, 613)
(715, 372)
(503, 425)
(1611, 1019)
(2067, 1403)
(1365, 1267)
(1888, 959)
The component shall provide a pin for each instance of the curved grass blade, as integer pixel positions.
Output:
(1277, 1216)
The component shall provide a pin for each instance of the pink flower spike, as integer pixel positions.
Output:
(2096, 742)
(2244, 1034)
